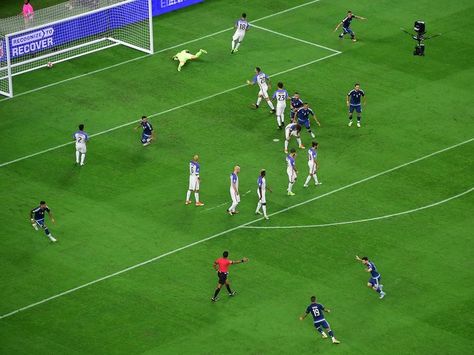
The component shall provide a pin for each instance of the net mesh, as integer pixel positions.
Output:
(72, 29)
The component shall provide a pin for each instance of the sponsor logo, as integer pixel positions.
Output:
(32, 42)
(167, 3)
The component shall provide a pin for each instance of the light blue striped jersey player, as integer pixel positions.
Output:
(281, 95)
(312, 155)
(194, 168)
(241, 25)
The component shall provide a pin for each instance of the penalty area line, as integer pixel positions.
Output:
(166, 111)
(365, 219)
(6, 315)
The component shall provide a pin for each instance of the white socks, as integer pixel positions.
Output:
(77, 156)
(299, 142)
(308, 179)
(188, 195)
(290, 186)
(80, 157)
(286, 145)
(259, 99)
(270, 104)
(83, 157)
(196, 196)
(233, 206)
(237, 45)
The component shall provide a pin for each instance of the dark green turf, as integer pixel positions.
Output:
(126, 205)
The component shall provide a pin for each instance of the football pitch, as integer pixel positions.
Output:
(132, 272)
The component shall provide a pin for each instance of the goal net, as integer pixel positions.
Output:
(70, 30)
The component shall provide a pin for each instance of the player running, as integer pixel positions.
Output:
(37, 219)
(234, 191)
(194, 181)
(263, 82)
(81, 138)
(185, 55)
(303, 118)
(346, 25)
(312, 164)
(293, 130)
(221, 265)
(353, 102)
(148, 134)
(295, 103)
(262, 188)
(281, 97)
(375, 278)
(317, 311)
(241, 27)
(291, 170)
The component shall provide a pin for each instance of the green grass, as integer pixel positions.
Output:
(126, 205)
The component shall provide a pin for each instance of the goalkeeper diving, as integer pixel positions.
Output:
(185, 55)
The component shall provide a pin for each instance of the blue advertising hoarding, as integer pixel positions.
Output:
(50, 36)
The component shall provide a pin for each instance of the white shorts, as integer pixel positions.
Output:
(263, 92)
(235, 197)
(81, 148)
(238, 36)
(261, 198)
(280, 110)
(312, 167)
(193, 182)
(289, 134)
(291, 175)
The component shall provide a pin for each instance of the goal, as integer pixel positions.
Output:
(70, 30)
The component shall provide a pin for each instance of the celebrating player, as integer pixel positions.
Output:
(148, 134)
(296, 103)
(37, 219)
(262, 187)
(241, 27)
(81, 138)
(221, 265)
(234, 191)
(291, 170)
(346, 25)
(353, 102)
(293, 130)
(303, 114)
(312, 164)
(185, 55)
(194, 181)
(263, 82)
(281, 96)
(375, 278)
(317, 311)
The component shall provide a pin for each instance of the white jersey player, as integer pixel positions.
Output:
(194, 180)
(281, 96)
(234, 191)
(261, 190)
(81, 139)
(312, 164)
(293, 130)
(241, 27)
(291, 170)
(262, 80)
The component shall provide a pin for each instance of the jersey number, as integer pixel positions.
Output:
(243, 26)
(281, 97)
(316, 312)
(79, 139)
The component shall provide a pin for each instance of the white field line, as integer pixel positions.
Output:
(224, 203)
(228, 231)
(164, 112)
(296, 39)
(366, 219)
(157, 52)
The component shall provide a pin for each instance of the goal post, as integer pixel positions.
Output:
(70, 30)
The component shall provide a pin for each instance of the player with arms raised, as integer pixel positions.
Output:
(317, 311)
(81, 139)
(261, 190)
(263, 82)
(375, 278)
(281, 97)
(293, 130)
(241, 27)
(222, 265)
(194, 181)
(313, 164)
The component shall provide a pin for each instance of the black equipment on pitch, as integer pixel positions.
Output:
(419, 37)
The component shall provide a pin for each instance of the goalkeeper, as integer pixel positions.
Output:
(185, 55)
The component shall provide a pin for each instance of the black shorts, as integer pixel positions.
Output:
(222, 277)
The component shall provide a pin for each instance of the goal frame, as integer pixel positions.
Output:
(114, 42)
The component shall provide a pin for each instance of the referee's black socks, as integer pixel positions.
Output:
(216, 292)
(228, 288)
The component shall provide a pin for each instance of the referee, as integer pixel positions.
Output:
(221, 265)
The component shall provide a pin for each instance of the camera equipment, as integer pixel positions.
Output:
(419, 37)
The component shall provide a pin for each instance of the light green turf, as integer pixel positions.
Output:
(126, 205)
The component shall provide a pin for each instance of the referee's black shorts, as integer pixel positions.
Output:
(222, 277)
